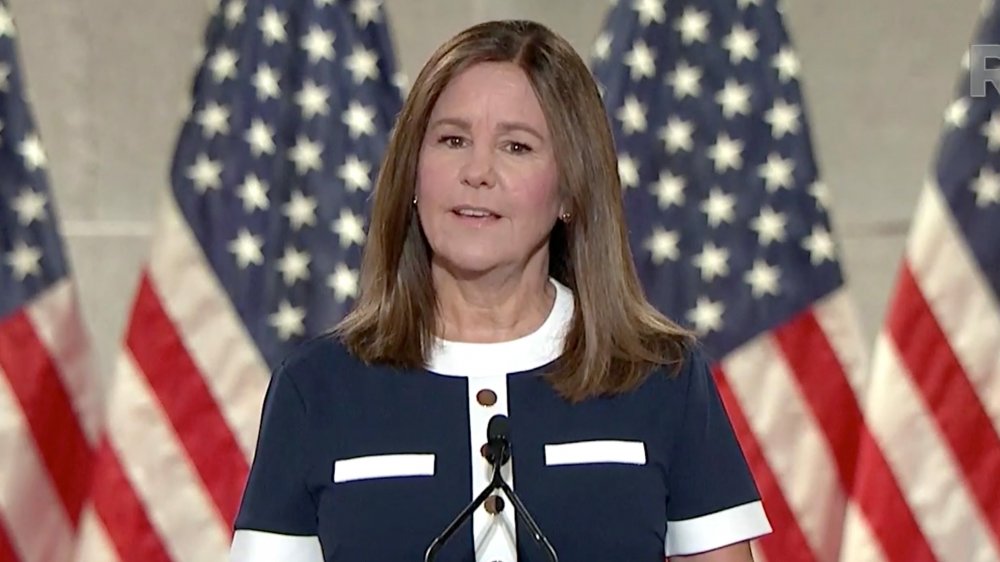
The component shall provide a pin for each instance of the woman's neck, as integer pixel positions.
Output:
(492, 308)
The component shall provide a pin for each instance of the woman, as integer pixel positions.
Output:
(497, 279)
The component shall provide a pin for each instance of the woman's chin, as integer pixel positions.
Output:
(469, 264)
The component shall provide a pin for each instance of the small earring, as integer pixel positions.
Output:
(414, 199)
(565, 217)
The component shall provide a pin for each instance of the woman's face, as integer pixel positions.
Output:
(487, 179)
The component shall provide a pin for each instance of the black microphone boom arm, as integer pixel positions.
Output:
(498, 449)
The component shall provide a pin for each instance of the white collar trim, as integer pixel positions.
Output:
(544, 345)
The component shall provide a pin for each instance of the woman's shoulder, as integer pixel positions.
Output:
(693, 366)
(315, 359)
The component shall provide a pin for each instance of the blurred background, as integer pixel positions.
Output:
(869, 412)
(111, 82)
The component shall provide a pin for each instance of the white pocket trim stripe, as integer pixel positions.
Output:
(383, 466)
(590, 452)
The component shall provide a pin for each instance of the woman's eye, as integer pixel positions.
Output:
(451, 141)
(518, 148)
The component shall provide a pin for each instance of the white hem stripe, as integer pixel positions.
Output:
(716, 530)
(260, 546)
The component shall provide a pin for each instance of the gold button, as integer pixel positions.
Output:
(494, 504)
(486, 397)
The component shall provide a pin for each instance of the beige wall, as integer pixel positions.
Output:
(110, 79)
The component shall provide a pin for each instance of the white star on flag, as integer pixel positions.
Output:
(693, 26)
(360, 119)
(266, 81)
(33, 153)
(29, 205)
(4, 77)
(363, 65)
(712, 261)
(272, 26)
(777, 172)
(253, 192)
(726, 153)
(288, 321)
(641, 60)
(706, 315)
(650, 11)
(763, 279)
(663, 245)
(306, 154)
(820, 246)
(769, 226)
(821, 193)
(991, 130)
(344, 282)
(677, 135)
(222, 65)
(783, 118)
(633, 116)
(986, 187)
(7, 28)
(741, 44)
(956, 113)
(669, 190)
(354, 172)
(628, 171)
(235, 12)
(786, 62)
(24, 260)
(300, 210)
(602, 46)
(734, 99)
(294, 266)
(214, 120)
(685, 80)
(260, 137)
(247, 249)
(366, 11)
(205, 173)
(350, 228)
(313, 100)
(318, 43)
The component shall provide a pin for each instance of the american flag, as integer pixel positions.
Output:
(257, 249)
(731, 233)
(49, 394)
(934, 400)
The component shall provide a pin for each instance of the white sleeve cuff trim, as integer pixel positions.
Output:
(715, 530)
(261, 546)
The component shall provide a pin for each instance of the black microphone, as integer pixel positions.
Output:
(498, 440)
(498, 437)
(498, 453)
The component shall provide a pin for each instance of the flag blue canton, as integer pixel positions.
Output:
(728, 221)
(273, 170)
(968, 163)
(31, 253)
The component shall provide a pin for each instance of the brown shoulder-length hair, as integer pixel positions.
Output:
(617, 338)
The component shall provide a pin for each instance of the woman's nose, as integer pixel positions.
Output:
(478, 170)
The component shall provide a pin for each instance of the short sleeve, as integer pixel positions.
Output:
(277, 516)
(713, 500)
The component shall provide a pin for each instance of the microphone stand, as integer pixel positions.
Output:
(496, 482)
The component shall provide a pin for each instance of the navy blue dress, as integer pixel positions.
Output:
(359, 463)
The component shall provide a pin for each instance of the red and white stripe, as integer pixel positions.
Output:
(183, 414)
(787, 449)
(794, 397)
(49, 416)
(933, 403)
